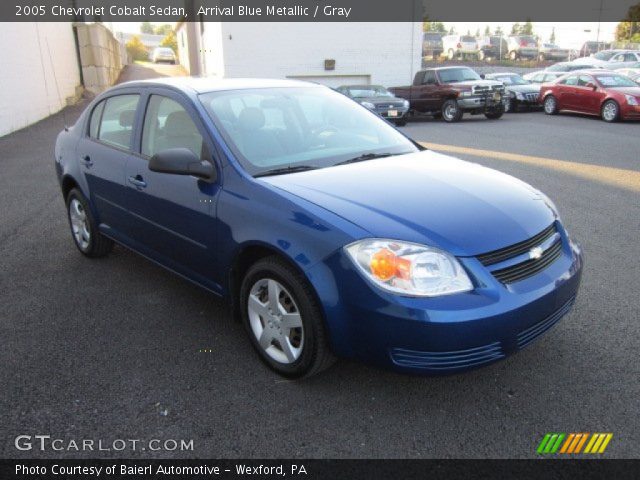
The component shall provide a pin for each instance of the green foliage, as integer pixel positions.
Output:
(527, 28)
(136, 49)
(163, 29)
(552, 38)
(170, 41)
(146, 27)
(487, 31)
(516, 28)
(433, 27)
(499, 30)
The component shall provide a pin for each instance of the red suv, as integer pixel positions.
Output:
(595, 92)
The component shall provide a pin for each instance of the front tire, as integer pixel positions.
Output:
(610, 111)
(450, 54)
(510, 105)
(550, 105)
(84, 229)
(480, 55)
(495, 114)
(513, 55)
(283, 319)
(451, 111)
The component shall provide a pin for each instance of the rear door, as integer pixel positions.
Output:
(566, 92)
(174, 214)
(103, 153)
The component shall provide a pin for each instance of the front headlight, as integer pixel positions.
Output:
(631, 100)
(368, 105)
(519, 96)
(466, 93)
(405, 103)
(409, 268)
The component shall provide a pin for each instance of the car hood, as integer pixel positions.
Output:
(471, 83)
(381, 100)
(427, 198)
(635, 91)
(523, 88)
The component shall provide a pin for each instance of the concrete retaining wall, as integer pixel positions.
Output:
(102, 56)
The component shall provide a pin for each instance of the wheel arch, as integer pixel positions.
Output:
(246, 256)
(67, 184)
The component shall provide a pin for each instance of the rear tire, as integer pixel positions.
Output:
(84, 229)
(400, 123)
(284, 298)
(610, 111)
(550, 105)
(451, 112)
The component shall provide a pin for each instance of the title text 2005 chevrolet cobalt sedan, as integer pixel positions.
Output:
(330, 231)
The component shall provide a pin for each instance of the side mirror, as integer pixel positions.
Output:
(182, 161)
(592, 86)
(482, 76)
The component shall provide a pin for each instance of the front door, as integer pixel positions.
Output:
(174, 214)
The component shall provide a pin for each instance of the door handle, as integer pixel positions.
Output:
(87, 161)
(138, 181)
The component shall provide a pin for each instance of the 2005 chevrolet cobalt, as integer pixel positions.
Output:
(331, 233)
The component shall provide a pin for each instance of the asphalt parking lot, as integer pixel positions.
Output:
(115, 348)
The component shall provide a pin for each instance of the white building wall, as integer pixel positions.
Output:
(39, 72)
(384, 53)
(183, 46)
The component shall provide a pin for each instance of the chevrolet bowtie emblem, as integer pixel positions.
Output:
(535, 253)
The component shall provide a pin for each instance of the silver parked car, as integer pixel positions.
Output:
(163, 54)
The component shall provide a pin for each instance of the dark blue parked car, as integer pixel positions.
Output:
(330, 232)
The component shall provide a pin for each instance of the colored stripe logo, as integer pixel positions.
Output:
(574, 443)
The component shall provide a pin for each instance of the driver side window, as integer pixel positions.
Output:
(571, 81)
(168, 125)
(429, 78)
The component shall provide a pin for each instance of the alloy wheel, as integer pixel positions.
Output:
(79, 226)
(275, 321)
(450, 111)
(610, 112)
(550, 105)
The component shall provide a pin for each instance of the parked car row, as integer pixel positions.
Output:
(450, 92)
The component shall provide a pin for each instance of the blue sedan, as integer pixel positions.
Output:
(329, 231)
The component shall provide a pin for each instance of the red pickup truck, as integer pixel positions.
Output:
(449, 92)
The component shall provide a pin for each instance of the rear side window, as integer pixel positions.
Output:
(94, 123)
(429, 78)
(168, 125)
(573, 80)
(116, 125)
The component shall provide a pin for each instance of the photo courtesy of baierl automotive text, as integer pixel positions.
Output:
(323, 239)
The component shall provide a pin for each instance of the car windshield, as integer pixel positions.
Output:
(614, 81)
(603, 55)
(164, 50)
(296, 128)
(511, 79)
(452, 75)
(467, 39)
(368, 91)
(559, 67)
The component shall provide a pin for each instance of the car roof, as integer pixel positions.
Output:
(361, 86)
(448, 68)
(494, 74)
(211, 84)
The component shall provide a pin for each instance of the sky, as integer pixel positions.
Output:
(568, 34)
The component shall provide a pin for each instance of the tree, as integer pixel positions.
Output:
(433, 27)
(163, 29)
(499, 30)
(469, 33)
(515, 29)
(629, 28)
(146, 27)
(487, 31)
(136, 49)
(527, 28)
(170, 41)
(478, 32)
(552, 37)
(452, 31)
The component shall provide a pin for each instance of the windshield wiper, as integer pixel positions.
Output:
(364, 157)
(285, 170)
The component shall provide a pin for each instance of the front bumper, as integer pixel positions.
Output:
(630, 112)
(444, 334)
(480, 102)
(388, 113)
(527, 53)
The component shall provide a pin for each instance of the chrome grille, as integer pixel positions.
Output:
(530, 266)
